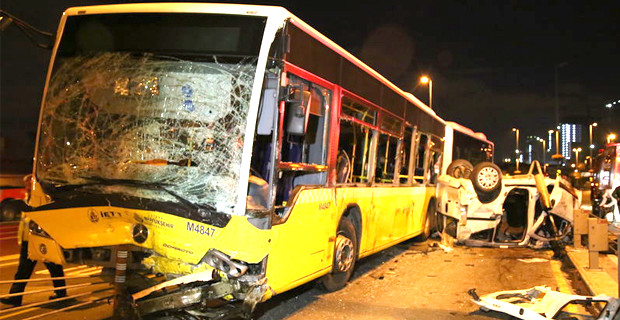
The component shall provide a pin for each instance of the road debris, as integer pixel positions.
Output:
(540, 302)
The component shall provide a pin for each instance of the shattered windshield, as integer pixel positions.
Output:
(150, 99)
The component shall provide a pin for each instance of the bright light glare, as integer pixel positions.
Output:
(425, 79)
(595, 124)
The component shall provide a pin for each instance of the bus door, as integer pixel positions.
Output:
(303, 204)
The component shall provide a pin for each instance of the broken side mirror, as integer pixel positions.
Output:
(297, 110)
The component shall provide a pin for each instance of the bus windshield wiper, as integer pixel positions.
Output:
(159, 186)
(164, 162)
(202, 209)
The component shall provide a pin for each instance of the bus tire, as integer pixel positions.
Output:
(345, 254)
(486, 178)
(460, 168)
(429, 221)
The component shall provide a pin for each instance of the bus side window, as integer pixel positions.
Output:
(354, 147)
(405, 155)
(386, 158)
(303, 158)
(420, 158)
(434, 167)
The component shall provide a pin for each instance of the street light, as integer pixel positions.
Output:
(576, 151)
(611, 137)
(425, 80)
(557, 155)
(516, 131)
(591, 145)
(544, 143)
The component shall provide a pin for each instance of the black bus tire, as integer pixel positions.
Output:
(460, 168)
(345, 254)
(486, 178)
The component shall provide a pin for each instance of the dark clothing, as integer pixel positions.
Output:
(25, 269)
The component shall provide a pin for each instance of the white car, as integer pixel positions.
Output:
(480, 207)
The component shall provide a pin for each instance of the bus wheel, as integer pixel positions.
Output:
(460, 168)
(486, 178)
(345, 254)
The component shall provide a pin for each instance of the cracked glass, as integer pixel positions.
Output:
(173, 117)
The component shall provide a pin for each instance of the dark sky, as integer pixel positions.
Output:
(492, 62)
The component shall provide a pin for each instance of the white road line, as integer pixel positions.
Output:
(10, 257)
(14, 263)
(8, 238)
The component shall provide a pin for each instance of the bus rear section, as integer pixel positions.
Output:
(200, 141)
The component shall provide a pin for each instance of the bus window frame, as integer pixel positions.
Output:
(376, 128)
(411, 156)
(328, 141)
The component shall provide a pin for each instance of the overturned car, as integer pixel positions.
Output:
(480, 207)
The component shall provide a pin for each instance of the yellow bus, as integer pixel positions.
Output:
(231, 150)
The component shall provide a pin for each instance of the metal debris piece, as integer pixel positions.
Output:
(540, 303)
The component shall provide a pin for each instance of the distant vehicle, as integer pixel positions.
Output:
(606, 178)
(488, 209)
(12, 196)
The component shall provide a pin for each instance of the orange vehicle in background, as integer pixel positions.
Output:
(12, 196)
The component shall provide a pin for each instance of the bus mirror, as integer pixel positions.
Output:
(297, 110)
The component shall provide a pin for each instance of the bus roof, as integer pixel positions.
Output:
(467, 131)
(244, 9)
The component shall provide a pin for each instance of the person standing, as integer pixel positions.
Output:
(25, 269)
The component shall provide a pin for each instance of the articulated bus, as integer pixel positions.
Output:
(231, 152)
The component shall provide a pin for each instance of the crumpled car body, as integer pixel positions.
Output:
(540, 302)
(516, 215)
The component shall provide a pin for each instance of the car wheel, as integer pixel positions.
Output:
(9, 210)
(460, 168)
(345, 254)
(486, 178)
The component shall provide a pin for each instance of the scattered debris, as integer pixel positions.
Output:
(533, 260)
(540, 302)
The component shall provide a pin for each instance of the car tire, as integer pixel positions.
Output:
(486, 178)
(11, 209)
(345, 254)
(460, 168)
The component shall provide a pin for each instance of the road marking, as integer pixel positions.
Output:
(81, 270)
(2, 265)
(556, 268)
(8, 238)
(10, 257)
(10, 315)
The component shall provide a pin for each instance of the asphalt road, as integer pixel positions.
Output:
(416, 281)
(409, 281)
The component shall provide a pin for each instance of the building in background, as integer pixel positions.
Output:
(570, 135)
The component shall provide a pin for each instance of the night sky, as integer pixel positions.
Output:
(492, 62)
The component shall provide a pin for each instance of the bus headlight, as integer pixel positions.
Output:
(36, 229)
(222, 262)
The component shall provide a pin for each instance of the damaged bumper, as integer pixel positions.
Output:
(173, 262)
